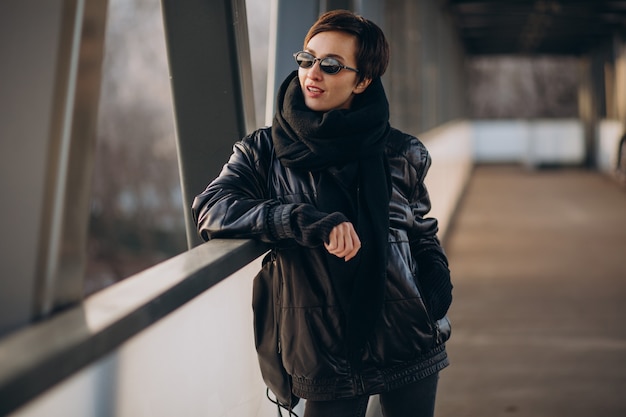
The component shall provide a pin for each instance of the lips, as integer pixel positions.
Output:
(313, 90)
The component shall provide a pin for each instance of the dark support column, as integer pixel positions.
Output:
(591, 103)
(327, 5)
(290, 23)
(371, 9)
(209, 62)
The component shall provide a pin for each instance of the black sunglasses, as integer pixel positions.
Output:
(328, 65)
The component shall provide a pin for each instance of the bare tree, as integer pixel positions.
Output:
(136, 217)
(523, 87)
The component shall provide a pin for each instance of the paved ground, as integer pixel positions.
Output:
(539, 315)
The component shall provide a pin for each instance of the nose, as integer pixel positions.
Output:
(315, 72)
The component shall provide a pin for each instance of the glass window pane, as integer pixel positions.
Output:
(136, 217)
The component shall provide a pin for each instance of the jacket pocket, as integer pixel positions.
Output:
(444, 330)
(404, 332)
(311, 342)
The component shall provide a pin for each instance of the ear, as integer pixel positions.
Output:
(362, 86)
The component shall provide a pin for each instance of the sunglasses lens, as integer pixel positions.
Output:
(305, 60)
(330, 66)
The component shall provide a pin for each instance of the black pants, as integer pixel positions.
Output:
(414, 400)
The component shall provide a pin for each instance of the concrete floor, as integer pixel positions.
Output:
(538, 259)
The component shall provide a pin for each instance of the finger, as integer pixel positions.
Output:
(356, 246)
(345, 243)
(344, 239)
(332, 241)
(336, 239)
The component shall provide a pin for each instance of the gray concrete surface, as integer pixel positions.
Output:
(539, 314)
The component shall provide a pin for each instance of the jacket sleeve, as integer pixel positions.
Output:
(423, 231)
(235, 204)
(433, 271)
(238, 204)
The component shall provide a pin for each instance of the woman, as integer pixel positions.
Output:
(340, 195)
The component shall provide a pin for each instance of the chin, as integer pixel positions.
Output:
(315, 106)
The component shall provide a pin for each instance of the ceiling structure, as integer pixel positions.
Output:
(563, 27)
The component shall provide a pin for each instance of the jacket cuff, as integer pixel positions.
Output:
(279, 219)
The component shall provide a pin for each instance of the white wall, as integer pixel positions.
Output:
(450, 147)
(500, 140)
(531, 142)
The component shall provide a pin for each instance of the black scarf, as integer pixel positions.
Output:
(347, 148)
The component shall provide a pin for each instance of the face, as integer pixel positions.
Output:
(324, 92)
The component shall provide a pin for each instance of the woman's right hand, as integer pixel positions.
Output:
(343, 241)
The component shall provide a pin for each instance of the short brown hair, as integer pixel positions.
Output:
(372, 55)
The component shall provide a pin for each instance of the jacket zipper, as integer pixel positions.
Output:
(277, 303)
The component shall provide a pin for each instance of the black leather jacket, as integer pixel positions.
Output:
(407, 343)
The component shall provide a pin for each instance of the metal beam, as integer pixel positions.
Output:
(209, 59)
(52, 55)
